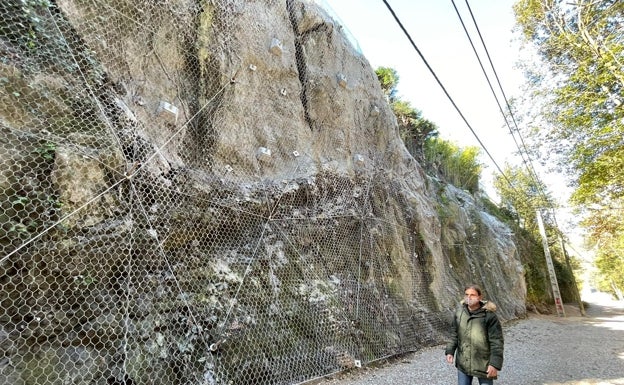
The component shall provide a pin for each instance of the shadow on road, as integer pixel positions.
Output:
(571, 350)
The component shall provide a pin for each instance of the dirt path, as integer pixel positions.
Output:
(542, 349)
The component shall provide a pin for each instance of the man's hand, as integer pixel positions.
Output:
(492, 372)
(449, 358)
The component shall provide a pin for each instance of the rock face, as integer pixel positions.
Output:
(215, 192)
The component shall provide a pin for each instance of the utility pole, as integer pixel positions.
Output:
(551, 268)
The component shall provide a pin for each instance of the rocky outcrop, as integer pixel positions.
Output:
(215, 192)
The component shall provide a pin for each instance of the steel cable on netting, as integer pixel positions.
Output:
(131, 172)
(126, 306)
(153, 31)
(113, 135)
(56, 223)
(163, 255)
(363, 215)
(317, 275)
(256, 249)
(127, 176)
(109, 125)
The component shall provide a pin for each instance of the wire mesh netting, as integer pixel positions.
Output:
(138, 246)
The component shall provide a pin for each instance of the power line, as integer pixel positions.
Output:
(522, 151)
(487, 78)
(526, 158)
(444, 88)
(532, 173)
(527, 163)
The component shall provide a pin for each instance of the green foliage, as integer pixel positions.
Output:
(502, 213)
(47, 151)
(45, 39)
(388, 79)
(581, 85)
(458, 166)
(522, 195)
(28, 211)
(607, 235)
(26, 14)
(565, 280)
(414, 129)
(612, 267)
(531, 254)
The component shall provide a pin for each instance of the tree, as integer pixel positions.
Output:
(458, 166)
(388, 79)
(611, 264)
(522, 194)
(413, 127)
(581, 47)
(578, 101)
(606, 234)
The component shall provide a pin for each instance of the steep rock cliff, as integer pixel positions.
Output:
(215, 192)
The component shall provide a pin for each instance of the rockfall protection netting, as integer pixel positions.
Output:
(130, 255)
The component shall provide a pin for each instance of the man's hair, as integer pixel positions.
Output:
(473, 287)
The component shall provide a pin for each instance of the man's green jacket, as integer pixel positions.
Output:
(476, 340)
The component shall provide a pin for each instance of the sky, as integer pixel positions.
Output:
(438, 33)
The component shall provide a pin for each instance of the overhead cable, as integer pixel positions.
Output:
(443, 88)
(523, 151)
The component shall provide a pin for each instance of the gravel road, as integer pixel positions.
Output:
(542, 349)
